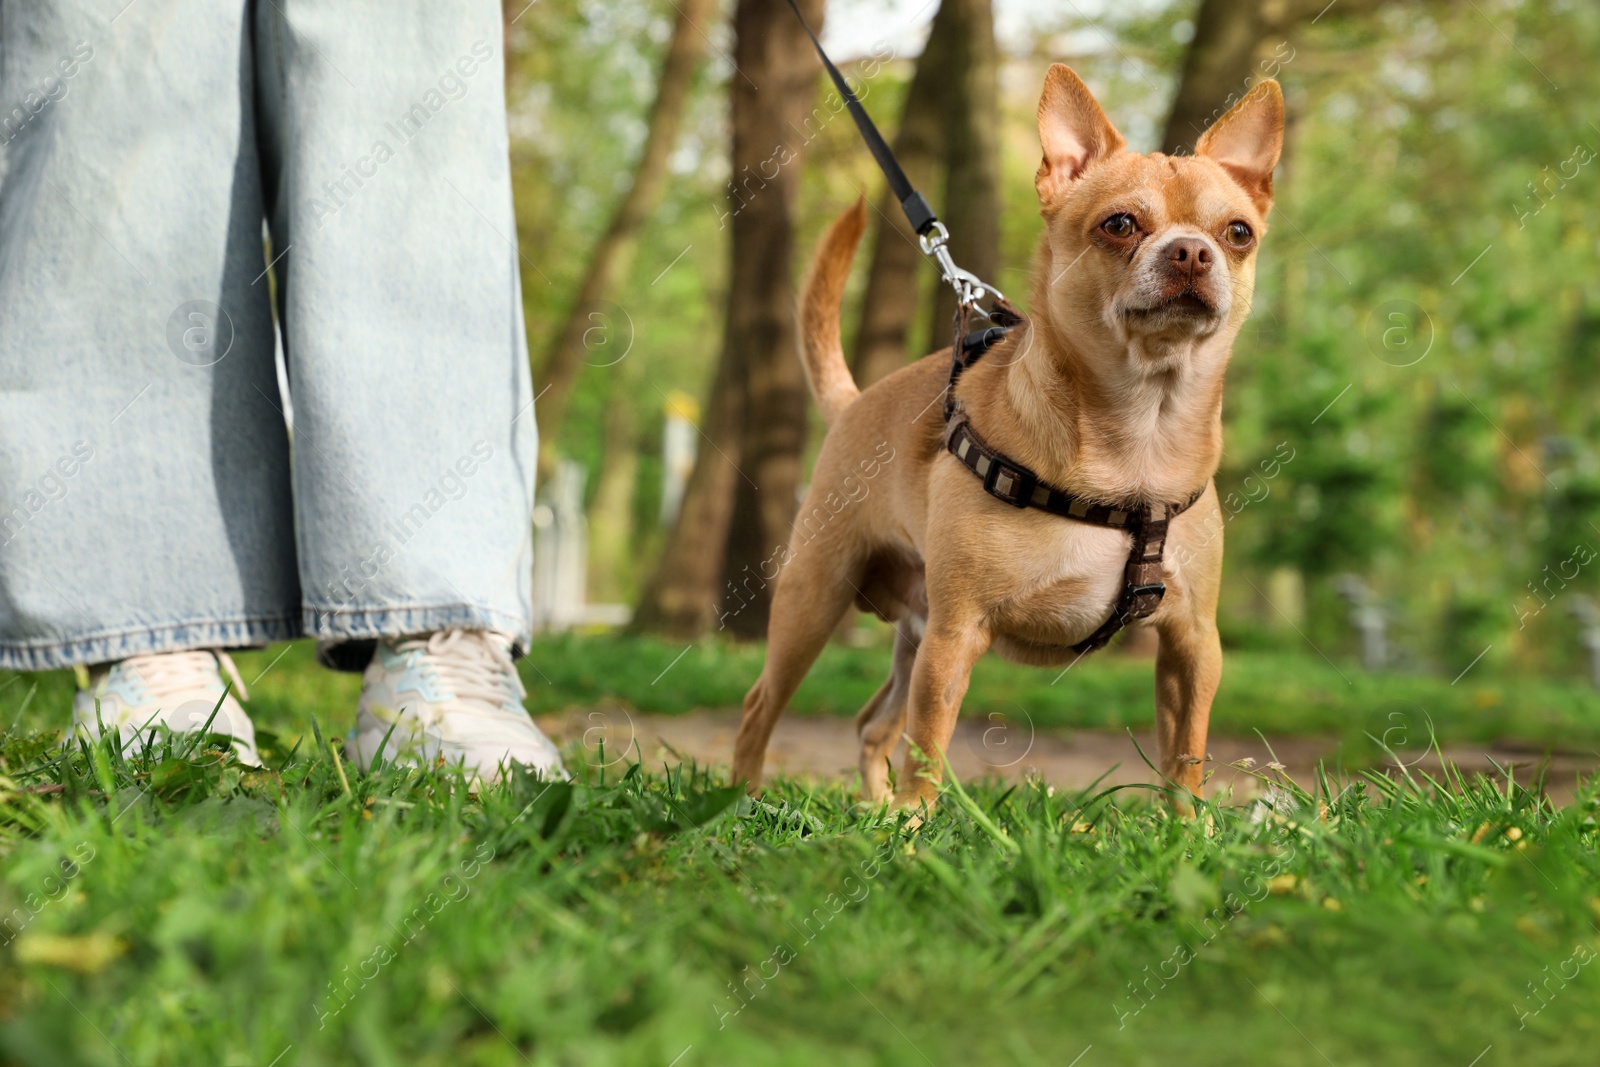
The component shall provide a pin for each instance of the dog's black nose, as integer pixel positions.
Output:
(1189, 256)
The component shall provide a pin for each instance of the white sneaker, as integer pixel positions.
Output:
(175, 691)
(453, 695)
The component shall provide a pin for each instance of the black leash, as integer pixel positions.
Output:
(918, 213)
(931, 233)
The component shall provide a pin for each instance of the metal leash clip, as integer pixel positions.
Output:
(968, 286)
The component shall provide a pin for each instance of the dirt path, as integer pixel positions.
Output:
(823, 748)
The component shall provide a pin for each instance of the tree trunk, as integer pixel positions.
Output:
(681, 597)
(770, 39)
(1233, 48)
(1218, 64)
(507, 12)
(893, 273)
(591, 327)
(611, 512)
(971, 207)
(740, 499)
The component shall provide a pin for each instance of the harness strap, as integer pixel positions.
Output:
(1142, 584)
(1009, 481)
(968, 347)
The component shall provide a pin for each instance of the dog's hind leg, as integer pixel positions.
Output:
(813, 592)
(883, 720)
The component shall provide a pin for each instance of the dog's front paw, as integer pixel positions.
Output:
(920, 805)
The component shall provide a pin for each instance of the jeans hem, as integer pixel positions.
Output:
(249, 632)
(354, 624)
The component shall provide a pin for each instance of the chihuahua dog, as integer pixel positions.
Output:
(1111, 390)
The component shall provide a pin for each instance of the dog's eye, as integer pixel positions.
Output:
(1239, 234)
(1120, 225)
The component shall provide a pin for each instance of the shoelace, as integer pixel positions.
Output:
(476, 666)
(168, 671)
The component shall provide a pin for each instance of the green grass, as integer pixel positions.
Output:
(212, 915)
(208, 914)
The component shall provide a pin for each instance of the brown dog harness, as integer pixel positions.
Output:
(1007, 480)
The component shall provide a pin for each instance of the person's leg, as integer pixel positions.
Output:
(394, 239)
(395, 243)
(144, 467)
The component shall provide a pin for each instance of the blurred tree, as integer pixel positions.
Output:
(1235, 43)
(1219, 63)
(950, 123)
(611, 510)
(681, 597)
(510, 11)
(971, 150)
(613, 254)
(892, 275)
(742, 494)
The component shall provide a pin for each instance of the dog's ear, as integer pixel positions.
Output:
(1247, 140)
(1073, 130)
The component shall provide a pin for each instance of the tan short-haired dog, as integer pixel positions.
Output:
(1110, 391)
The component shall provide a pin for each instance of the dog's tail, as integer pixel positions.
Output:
(821, 294)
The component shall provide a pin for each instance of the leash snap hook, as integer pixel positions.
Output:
(970, 289)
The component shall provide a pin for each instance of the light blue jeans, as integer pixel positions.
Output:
(152, 497)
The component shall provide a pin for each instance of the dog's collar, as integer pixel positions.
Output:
(1007, 480)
